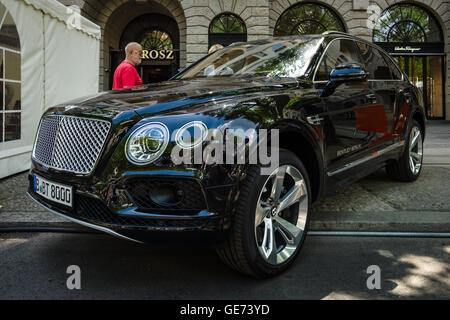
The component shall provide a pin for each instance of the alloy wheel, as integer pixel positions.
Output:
(415, 150)
(281, 213)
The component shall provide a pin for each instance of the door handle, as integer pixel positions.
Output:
(407, 96)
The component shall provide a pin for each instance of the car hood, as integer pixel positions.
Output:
(169, 96)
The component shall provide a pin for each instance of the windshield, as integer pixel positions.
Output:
(284, 58)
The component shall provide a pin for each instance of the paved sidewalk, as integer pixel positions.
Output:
(375, 203)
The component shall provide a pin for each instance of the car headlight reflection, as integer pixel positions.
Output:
(147, 143)
(191, 134)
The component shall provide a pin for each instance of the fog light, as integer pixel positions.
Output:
(166, 195)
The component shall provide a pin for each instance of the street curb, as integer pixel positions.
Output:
(388, 221)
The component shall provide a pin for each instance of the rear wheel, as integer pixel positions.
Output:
(271, 220)
(409, 166)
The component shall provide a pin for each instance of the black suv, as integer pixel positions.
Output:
(234, 149)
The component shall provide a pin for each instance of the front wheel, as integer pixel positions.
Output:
(271, 219)
(409, 166)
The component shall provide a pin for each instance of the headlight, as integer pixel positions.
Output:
(191, 134)
(147, 143)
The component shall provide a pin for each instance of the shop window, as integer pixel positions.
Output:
(10, 79)
(414, 37)
(307, 18)
(407, 23)
(226, 29)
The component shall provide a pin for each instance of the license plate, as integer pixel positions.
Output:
(55, 192)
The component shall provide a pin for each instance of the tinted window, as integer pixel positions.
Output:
(395, 71)
(374, 62)
(280, 58)
(338, 52)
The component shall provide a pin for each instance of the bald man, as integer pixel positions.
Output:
(126, 75)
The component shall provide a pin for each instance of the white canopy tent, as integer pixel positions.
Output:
(59, 52)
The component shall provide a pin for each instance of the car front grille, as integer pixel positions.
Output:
(143, 190)
(70, 143)
(94, 211)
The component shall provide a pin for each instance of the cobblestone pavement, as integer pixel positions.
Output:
(13, 195)
(378, 192)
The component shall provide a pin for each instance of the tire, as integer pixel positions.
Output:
(403, 169)
(248, 248)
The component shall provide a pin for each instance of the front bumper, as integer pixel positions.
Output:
(92, 210)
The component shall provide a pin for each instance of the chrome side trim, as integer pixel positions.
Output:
(370, 157)
(380, 234)
(86, 224)
(335, 32)
(369, 80)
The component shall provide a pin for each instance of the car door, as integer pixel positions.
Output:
(401, 88)
(378, 116)
(347, 131)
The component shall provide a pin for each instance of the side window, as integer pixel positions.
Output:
(375, 63)
(338, 52)
(395, 71)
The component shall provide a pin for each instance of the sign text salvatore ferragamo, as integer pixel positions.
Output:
(407, 48)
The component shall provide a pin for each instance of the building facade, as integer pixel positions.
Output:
(175, 33)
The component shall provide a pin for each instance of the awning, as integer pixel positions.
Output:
(67, 15)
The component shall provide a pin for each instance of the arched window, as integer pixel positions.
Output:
(226, 29)
(10, 78)
(407, 23)
(307, 18)
(156, 40)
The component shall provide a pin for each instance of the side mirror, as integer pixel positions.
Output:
(348, 72)
(352, 72)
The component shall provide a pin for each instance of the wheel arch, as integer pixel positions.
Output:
(302, 144)
(420, 118)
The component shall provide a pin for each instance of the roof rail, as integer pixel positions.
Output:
(237, 43)
(334, 32)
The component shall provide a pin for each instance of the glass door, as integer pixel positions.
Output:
(425, 72)
(435, 87)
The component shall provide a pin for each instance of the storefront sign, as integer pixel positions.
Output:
(424, 48)
(407, 48)
(158, 54)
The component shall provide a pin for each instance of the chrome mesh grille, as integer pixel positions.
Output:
(70, 143)
(46, 138)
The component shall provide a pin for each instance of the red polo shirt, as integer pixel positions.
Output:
(126, 76)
